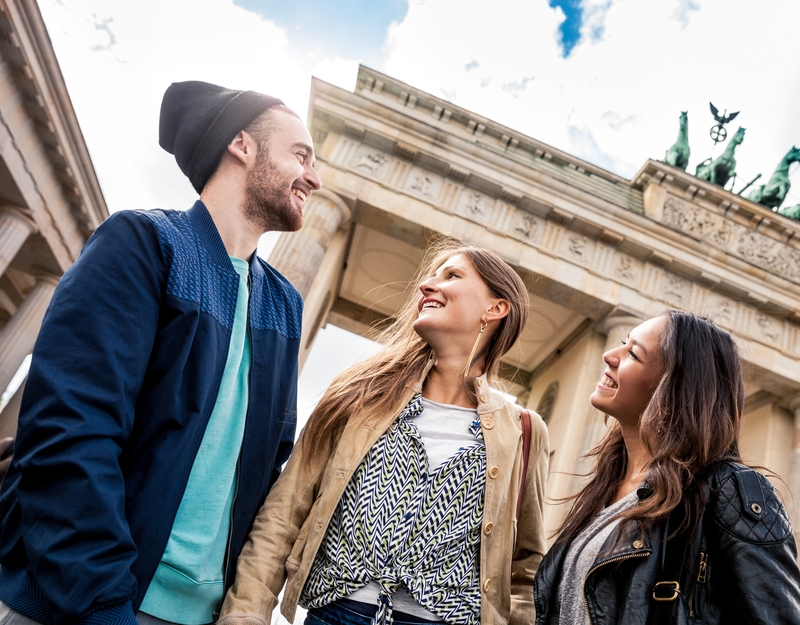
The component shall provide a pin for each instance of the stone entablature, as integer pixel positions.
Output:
(593, 255)
(43, 146)
(723, 220)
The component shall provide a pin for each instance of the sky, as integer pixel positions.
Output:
(604, 80)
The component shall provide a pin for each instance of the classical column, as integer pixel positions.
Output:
(19, 334)
(15, 228)
(298, 255)
(794, 467)
(616, 328)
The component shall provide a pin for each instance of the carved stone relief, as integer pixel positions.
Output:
(577, 246)
(525, 225)
(697, 222)
(768, 328)
(475, 205)
(370, 161)
(675, 290)
(768, 253)
(740, 240)
(627, 269)
(424, 183)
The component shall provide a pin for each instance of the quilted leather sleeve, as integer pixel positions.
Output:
(748, 507)
(753, 576)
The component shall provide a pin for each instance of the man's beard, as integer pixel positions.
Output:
(266, 203)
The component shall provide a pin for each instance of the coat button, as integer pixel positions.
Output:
(755, 508)
(487, 424)
(487, 529)
(479, 381)
(483, 399)
(638, 544)
(487, 583)
(494, 472)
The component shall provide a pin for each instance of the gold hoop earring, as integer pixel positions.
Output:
(484, 323)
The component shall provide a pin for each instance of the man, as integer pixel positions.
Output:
(160, 403)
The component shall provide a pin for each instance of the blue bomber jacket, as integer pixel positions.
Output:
(123, 380)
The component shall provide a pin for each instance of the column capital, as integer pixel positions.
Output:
(335, 200)
(609, 324)
(794, 406)
(19, 215)
(46, 278)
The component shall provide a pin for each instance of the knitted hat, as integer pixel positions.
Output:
(199, 120)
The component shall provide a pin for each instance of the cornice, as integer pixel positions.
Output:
(26, 47)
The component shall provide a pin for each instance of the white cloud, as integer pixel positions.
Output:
(615, 101)
(117, 87)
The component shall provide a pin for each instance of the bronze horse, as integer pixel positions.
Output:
(720, 170)
(774, 192)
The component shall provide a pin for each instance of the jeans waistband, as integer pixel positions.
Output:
(348, 612)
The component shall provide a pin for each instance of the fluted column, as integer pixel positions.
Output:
(615, 328)
(15, 228)
(19, 334)
(794, 467)
(298, 255)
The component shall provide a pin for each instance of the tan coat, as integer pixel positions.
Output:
(293, 520)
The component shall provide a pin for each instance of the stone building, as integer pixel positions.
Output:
(599, 253)
(50, 199)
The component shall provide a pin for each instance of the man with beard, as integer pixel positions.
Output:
(160, 403)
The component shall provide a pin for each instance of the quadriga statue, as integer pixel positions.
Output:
(720, 170)
(792, 212)
(678, 154)
(774, 192)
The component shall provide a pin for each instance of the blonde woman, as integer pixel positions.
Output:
(400, 501)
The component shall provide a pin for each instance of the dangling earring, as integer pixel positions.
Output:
(484, 323)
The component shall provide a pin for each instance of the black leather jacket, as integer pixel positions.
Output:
(742, 566)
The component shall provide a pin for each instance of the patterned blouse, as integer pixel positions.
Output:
(401, 526)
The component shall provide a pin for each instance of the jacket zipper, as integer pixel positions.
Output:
(227, 559)
(702, 570)
(640, 554)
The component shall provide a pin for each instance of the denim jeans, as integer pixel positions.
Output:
(12, 617)
(337, 614)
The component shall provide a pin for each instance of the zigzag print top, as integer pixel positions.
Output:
(398, 525)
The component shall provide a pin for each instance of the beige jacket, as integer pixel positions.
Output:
(292, 522)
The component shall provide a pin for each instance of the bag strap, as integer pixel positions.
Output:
(525, 417)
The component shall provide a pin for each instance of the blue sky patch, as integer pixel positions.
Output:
(352, 29)
(570, 28)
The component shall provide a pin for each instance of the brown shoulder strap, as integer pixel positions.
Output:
(525, 417)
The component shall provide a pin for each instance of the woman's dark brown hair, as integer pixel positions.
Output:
(380, 381)
(691, 423)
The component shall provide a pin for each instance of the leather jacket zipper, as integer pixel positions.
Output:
(640, 554)
(702, 570)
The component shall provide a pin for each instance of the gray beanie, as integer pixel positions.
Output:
(199, 120)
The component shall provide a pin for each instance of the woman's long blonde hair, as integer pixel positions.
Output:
(380, 381)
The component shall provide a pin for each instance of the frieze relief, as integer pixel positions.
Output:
(675, 290)
(768, 253)
(525, 226)
(735, 238)
(424, 184)
(627, 268)
(768, 327)
(476, 206)
(370, 161)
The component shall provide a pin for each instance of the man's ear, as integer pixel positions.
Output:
(243, 147)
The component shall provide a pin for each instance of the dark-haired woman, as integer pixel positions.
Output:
(671, 527)
(399, 503)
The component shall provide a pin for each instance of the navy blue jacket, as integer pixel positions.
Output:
(124, 376)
